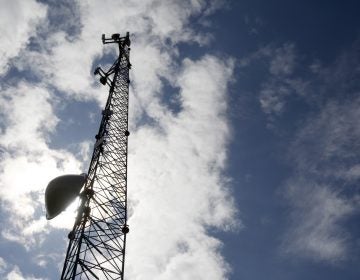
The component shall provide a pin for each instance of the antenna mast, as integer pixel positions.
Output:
(96, 247)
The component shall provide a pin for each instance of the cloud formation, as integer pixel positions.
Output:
(18, 22)
(27, 162)
(323, 155)
(319, 106)
(318, 216)
(281, 81)
(177, 184)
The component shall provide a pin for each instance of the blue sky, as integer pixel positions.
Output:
(244, 146)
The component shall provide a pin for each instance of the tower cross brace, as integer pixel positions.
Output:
(96, 248)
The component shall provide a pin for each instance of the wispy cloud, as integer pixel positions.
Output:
(317, 220)
(323, 152)
(281, 81)
(324, 156)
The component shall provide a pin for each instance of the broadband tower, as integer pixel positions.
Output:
(96, 248)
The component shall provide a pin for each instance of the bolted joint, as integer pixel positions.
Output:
(103, 80)
(71, 235)
(89, 193)
(115, 36)
(125, 229)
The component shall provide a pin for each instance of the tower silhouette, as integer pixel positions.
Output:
(97, 241)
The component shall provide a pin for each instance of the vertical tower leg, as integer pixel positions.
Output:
(96, 247)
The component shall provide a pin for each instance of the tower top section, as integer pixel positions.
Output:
(116, 38)
(124, 56)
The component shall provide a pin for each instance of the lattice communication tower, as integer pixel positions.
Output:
(97, 241)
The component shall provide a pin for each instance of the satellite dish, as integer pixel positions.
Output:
(60, 192)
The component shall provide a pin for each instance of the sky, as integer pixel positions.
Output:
(245, 137)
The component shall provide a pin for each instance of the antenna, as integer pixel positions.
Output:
(97, 241)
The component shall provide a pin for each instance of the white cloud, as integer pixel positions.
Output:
(322, 190)
(3, 265)
(176, 183)
(27, 162)
(334, 136)
(318, 214)
(29, 117)
(16, 274)
(18, 22)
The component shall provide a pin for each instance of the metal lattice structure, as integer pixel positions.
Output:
(96, 247)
